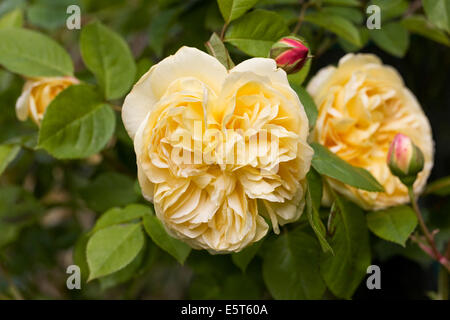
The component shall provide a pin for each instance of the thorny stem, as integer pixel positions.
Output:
(435, 254)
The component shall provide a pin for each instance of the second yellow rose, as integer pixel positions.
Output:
(362, 105)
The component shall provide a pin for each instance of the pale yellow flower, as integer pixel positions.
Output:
(362, 105)
(37, 94)
(214, 199)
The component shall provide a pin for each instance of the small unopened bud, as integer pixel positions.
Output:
(290, 53)
(405, 159)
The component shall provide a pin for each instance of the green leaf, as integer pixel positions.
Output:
(352, 14)
(394, 224)
(8, 5)
(113, 248)
(349, 3)
(123, 274)
(256, 32)
(7, 154)
(390, 8)
(336, 24)
(32, 54)
(12, 19)
(111, 190)
(177, 249)
(243, 258)
(291, 267)
(329, 164)
(344, 271)
(217, 49)
(118, 216)
(299, 77)
(49, 14)
(313, 200)
(393, 38)
(419, 25)
(79, 255)
(438, 12)
(233, 9)
(308, 103)
(107, 55)
(440, 187)
(76, 124)
(350, 47)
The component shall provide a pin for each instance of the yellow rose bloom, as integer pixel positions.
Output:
(225, 124)
(362, 105)
(37, 94)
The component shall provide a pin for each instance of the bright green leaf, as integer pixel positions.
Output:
(291, 267)
(117, 215)
(124, 274)
(438, 12)
(33, 54)
(329, 164)
(76, 124)
(350, 242)
(256, 32)
(244, 257)
(7, 154)
(107, 55)
(393, 38)
(113, 248)
(177, 249)
(12, 19)
(336, 24)
(419, 25)
(394, 224)
(111, 190)
(217, 49)
(233, 9)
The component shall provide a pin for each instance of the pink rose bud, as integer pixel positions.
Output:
(290, 53)
(405, 159)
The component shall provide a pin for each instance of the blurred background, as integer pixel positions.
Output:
(46, 205)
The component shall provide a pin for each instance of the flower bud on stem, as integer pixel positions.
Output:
(405, 161)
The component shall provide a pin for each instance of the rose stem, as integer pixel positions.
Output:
(436, 254)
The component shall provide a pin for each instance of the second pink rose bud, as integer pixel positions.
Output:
(290, 54)
(405, 159)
